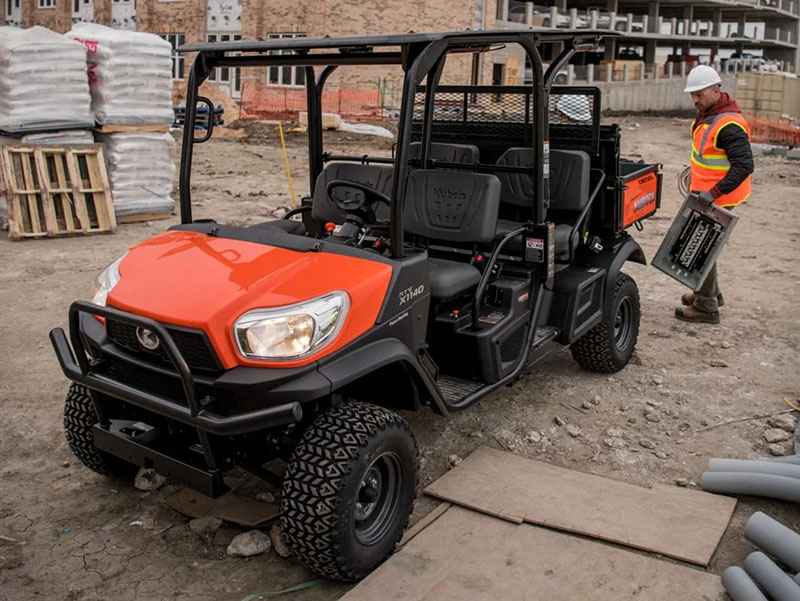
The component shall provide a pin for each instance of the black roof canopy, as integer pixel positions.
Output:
(358, 44)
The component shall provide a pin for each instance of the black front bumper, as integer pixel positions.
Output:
(258, 398)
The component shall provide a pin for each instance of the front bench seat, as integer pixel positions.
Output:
(378, 177)
(451, 206)
(570, 173)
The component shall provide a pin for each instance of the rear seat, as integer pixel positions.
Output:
(570, 172)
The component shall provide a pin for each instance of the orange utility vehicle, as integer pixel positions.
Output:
(495, 234)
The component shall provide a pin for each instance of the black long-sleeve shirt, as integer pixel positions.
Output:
(732, 139)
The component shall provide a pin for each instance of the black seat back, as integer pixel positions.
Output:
(570, 172)
(451, 153)
(378, 177)
(453, 206)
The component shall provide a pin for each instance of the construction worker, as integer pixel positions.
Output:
(721, 164)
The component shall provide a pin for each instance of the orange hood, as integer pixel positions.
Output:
(197, 281)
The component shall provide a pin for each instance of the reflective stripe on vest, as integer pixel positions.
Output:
(708, 165)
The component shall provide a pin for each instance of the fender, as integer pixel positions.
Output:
(612, 260)
(366, 359)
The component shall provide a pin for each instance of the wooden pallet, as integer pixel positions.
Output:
(141, 217)
(127, 129)
(56, 190)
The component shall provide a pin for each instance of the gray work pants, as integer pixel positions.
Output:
(706, 297)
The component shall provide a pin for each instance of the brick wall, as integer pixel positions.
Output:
(184, 16)
(102, 12)
(339, 18)
(58, 17)
(315, 18)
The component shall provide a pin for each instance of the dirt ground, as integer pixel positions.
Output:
(82, 536)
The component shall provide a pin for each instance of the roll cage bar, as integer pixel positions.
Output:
(421, 56)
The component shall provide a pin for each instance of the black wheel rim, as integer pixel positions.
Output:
(377, 498)
(623, 326)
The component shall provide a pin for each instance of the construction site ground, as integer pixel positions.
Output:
(82, 536)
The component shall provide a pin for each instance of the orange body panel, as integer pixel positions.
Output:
(640, 198)
(197, 281)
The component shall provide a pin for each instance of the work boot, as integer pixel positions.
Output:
(688, 299)
(696, 315)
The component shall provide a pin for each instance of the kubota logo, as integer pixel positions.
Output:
(410, 293)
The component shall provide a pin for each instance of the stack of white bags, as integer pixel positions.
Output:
(141, 171)
(43, 82)
(130, 74)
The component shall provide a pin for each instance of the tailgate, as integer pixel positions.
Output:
(641, 197)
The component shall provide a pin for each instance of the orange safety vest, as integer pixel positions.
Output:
(710, 164)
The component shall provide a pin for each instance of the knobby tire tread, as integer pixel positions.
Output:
(593, 350)
(311, 507)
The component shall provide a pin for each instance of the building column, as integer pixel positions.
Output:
(688, 18)
(609, 49)
(612, 6)
(652, 16)
(742, 22)
(650, 52)
(561, 5)
(717, 29)
(797, 50)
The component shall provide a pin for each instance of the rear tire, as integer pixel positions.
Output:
(608, 346)
(79, 419)
(349, 489)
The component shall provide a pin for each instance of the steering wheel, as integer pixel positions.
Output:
(371, 196)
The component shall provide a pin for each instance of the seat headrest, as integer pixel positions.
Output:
(570, 173)
(453, 206)
(378, 177)
(452, 153)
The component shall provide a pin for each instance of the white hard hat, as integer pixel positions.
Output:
(577, 108)
(701, 77)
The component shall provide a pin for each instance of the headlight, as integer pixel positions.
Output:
(291, 332)
(105, 282)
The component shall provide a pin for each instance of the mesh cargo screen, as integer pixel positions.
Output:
(493, 117)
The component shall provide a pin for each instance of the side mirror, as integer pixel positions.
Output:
(204, 118)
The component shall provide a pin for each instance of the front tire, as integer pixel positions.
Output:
(349, 489)
(608, 346)
(79, 419)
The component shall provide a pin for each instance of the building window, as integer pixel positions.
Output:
(285, 76)
(175, 40)
(47, 3)
(226, 75)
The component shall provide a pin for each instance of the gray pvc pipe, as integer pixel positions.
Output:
(771, 578)
(777, 540)
(758, 467)
(795, 459)
(739, 586)
(759, 485)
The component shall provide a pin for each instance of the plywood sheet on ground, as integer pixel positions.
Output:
(468, 556)
(676, 522)
(229, 507)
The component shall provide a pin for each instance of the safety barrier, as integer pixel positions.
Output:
(774, 131)
(261, 101)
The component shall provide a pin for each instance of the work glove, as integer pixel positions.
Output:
(705, 198)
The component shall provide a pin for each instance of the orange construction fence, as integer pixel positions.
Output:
(774, 131)
(260, 101)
